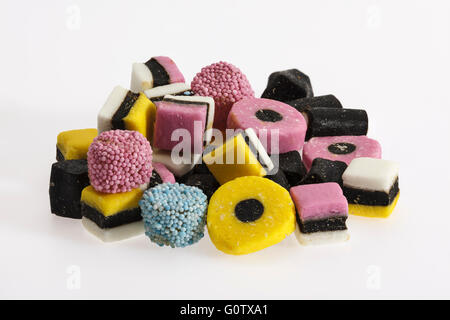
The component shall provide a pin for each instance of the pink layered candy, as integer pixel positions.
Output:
(119, 161)
(280, 127)
(171, 68)
(163, 172)
(171, 116)
(319, 201)
(226, 84)
(342, 148)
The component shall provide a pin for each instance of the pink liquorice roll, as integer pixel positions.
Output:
(265, 116)
(163, 172)
(340, 148)
(171, 116)
(119, 161)
(322, 211)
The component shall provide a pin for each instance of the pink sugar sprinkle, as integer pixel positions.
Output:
(119, 161)
(226, 84)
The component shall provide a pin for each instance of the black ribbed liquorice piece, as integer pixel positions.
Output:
(292, 166)
(159, 74)
(371, 198)
(115, 220)
(249, 210)
(305, 104)
(206, 182)
(123, 110)
(279, 178)
(324, 122)
(335, 223)
(68, 178)
(324, 170)
(288, 85)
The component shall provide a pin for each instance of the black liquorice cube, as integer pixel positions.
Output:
(292, 166)
(68, 178)
(279, 178)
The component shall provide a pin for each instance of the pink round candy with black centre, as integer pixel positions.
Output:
(119, 161)
(226, 84)
(280, 127)
(340, 148)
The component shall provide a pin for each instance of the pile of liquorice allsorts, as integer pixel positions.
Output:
(303, 160)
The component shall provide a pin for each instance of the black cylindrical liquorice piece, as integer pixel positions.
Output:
(304, 104)
(288, 85)
(324, 170)
(324, 122)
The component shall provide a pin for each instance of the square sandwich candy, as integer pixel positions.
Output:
(126, 110)
(112, 216)
(158, 71)
(322, 211)
(371, 187)
(192, 113)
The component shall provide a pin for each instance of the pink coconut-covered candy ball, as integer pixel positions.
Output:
(119, 161)
(226, 84)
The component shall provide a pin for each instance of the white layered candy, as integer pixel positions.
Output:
(158, 93)
(371, 174)
(198, 100)
(110, 107)
(119, 233)
(141, 78)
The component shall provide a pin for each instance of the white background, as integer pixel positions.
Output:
(60, 59)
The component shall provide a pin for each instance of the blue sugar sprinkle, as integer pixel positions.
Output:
(174, 214)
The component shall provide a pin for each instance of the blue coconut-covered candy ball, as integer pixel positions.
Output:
(174, 214)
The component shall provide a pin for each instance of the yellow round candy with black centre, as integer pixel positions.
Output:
(248, 214)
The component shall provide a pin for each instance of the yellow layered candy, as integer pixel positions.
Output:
(233, 159)
(373, 211)
(230, 235)
(109, 204)
(74, 144)
(141, 117)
